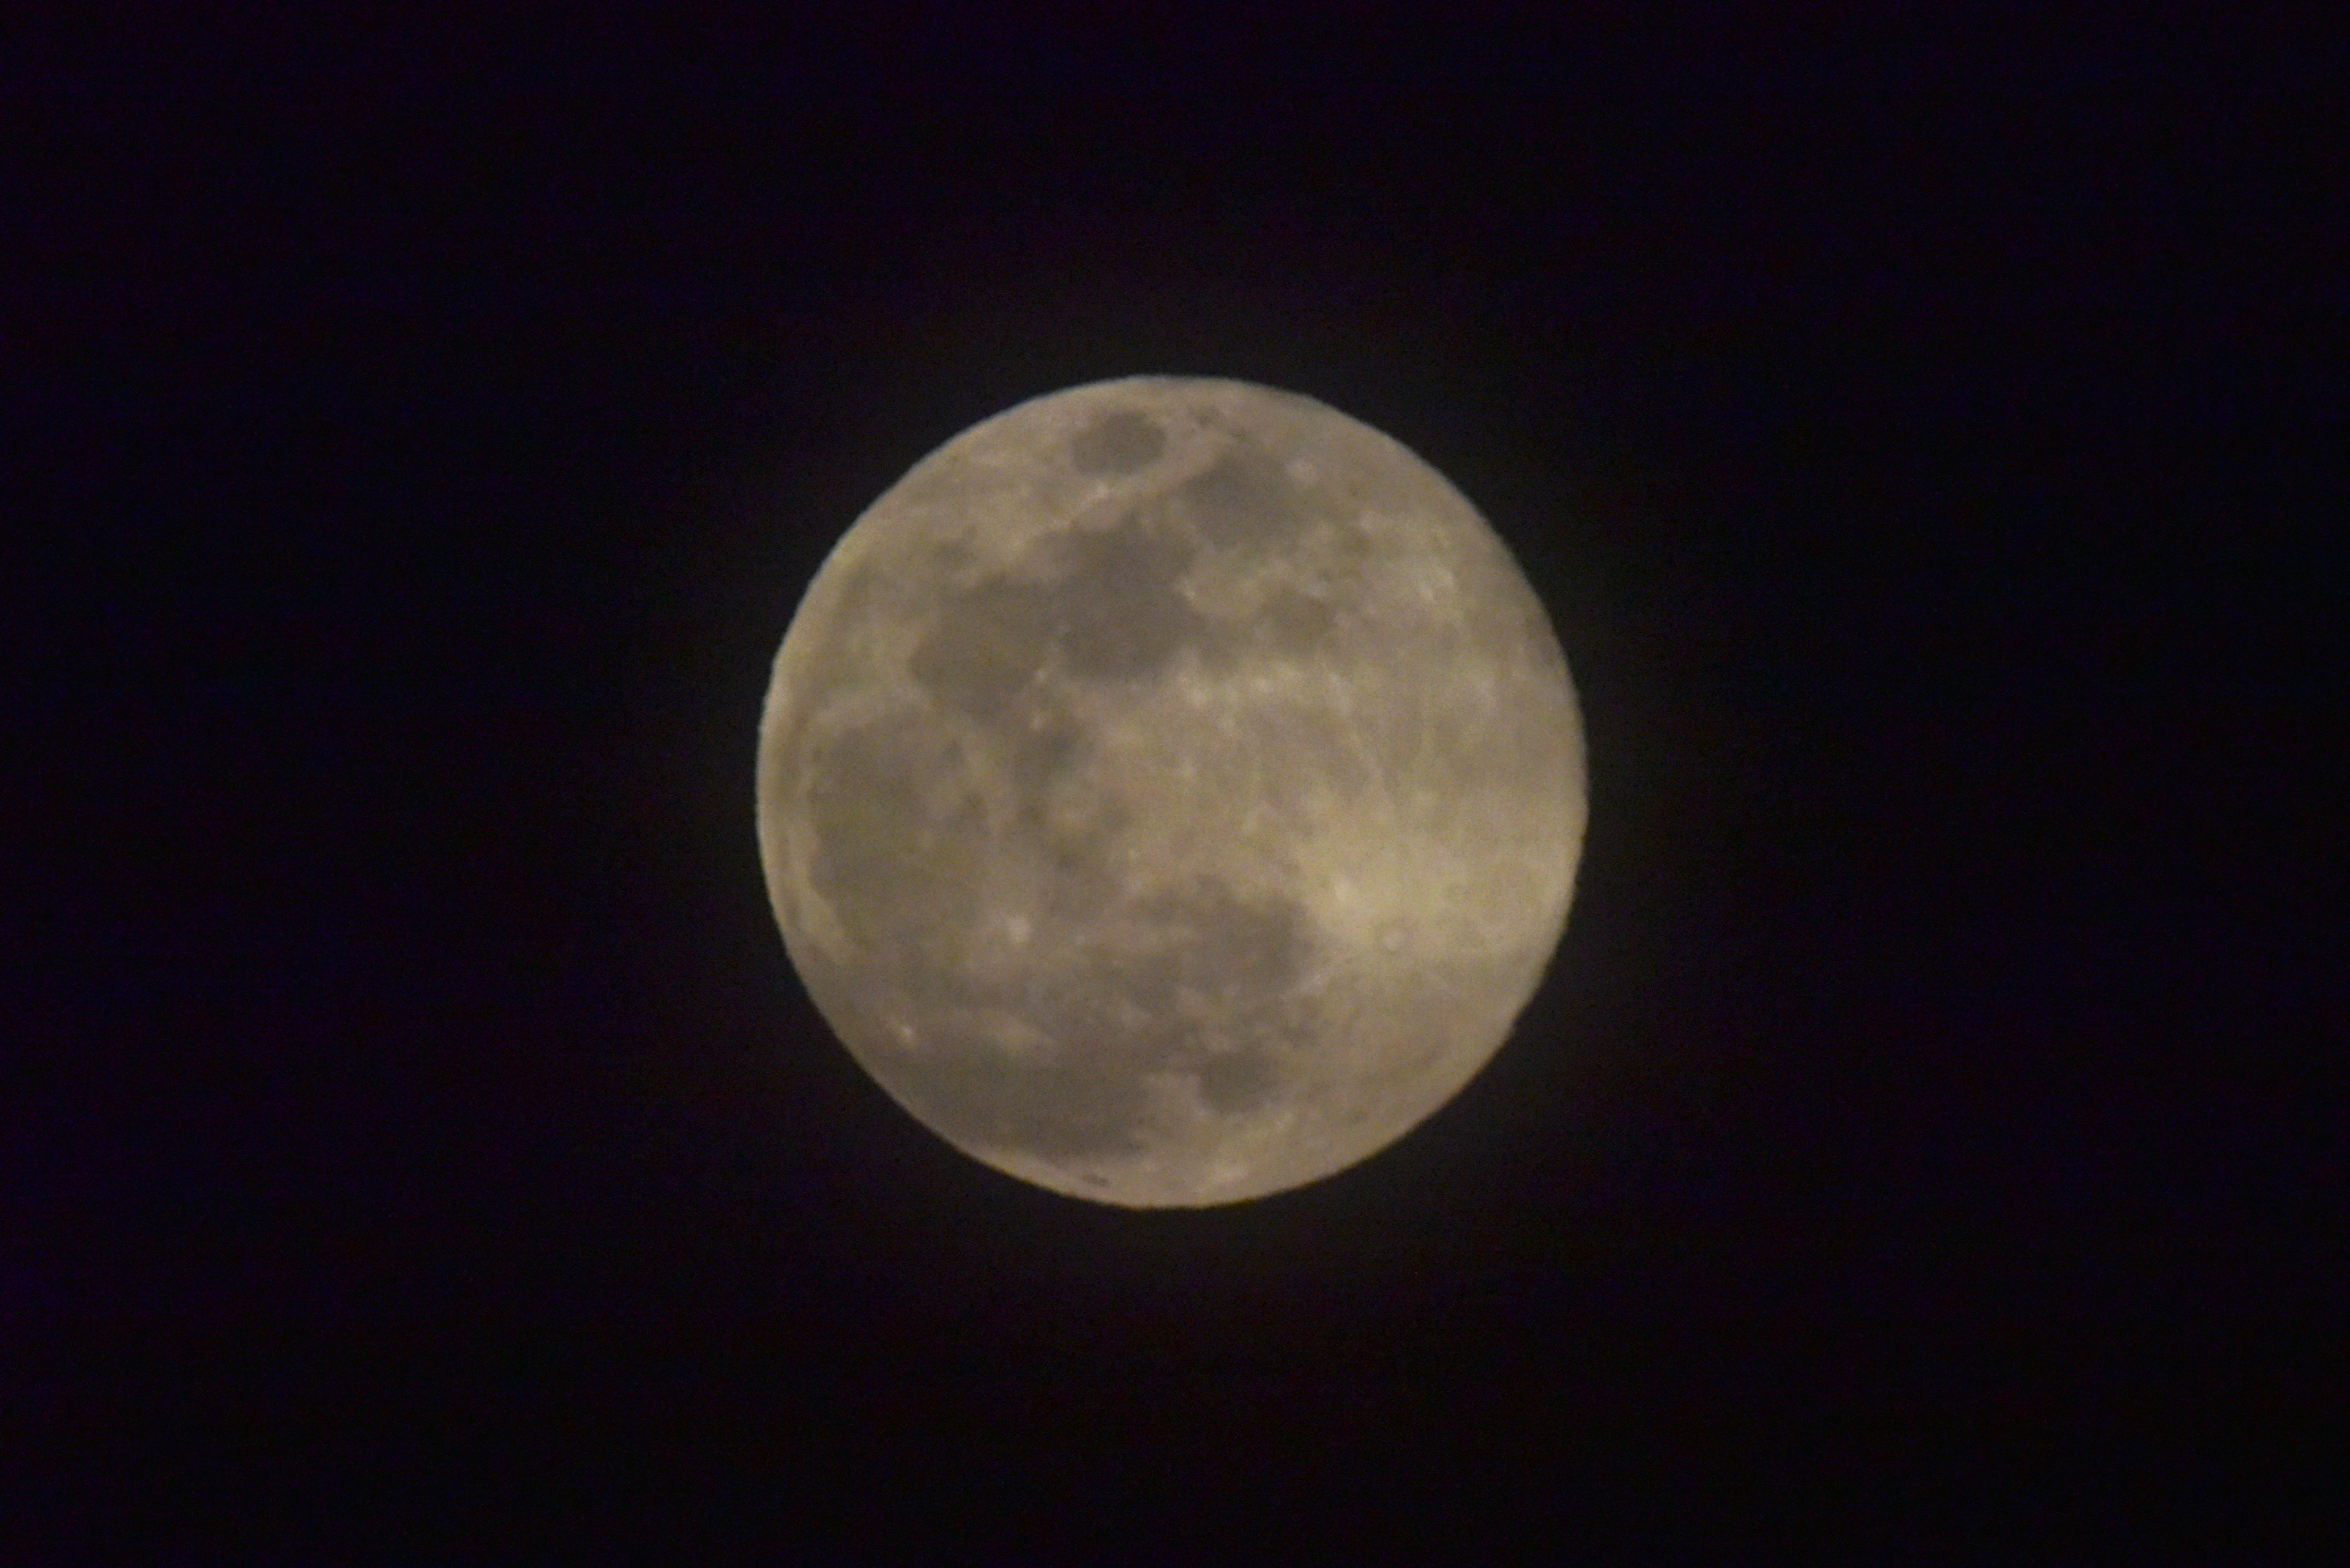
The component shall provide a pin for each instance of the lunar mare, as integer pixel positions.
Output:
(1170, 791)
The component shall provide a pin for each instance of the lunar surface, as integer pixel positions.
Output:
(1170, 791)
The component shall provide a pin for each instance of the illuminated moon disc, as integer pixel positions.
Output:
(1170, 791)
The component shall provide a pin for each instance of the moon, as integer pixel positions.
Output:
(1170, 791)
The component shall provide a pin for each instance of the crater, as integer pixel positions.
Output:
(1118, 443)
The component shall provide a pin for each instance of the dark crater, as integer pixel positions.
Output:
(1116, 444)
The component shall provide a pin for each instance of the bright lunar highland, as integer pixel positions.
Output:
(1170, 791)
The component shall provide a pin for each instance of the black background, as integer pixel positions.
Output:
(425, 1149)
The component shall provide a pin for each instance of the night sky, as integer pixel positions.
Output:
(426, 1151)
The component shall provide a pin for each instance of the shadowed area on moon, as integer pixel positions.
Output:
(1118, 443)
(1198, 994)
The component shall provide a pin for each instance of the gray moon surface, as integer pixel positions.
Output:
(1170, 791)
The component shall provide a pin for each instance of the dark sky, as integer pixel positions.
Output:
(426, 1150)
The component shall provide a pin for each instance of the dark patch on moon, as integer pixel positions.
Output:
(1048, 742)
(1110, 607)
(1236, 1081)
(1119, 615)
(1210, 941)
(1244, 500)
(1075, 828)
(1118, 443)
(985, 648)
(899, 833)
(1000, 649)
(1192, 992)
(1067, 1109)
(1297, 623)
(1285, 624)
(1210, 961)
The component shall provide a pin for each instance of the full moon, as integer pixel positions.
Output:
(1170, 791)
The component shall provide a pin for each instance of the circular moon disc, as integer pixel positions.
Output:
(1170, 791)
